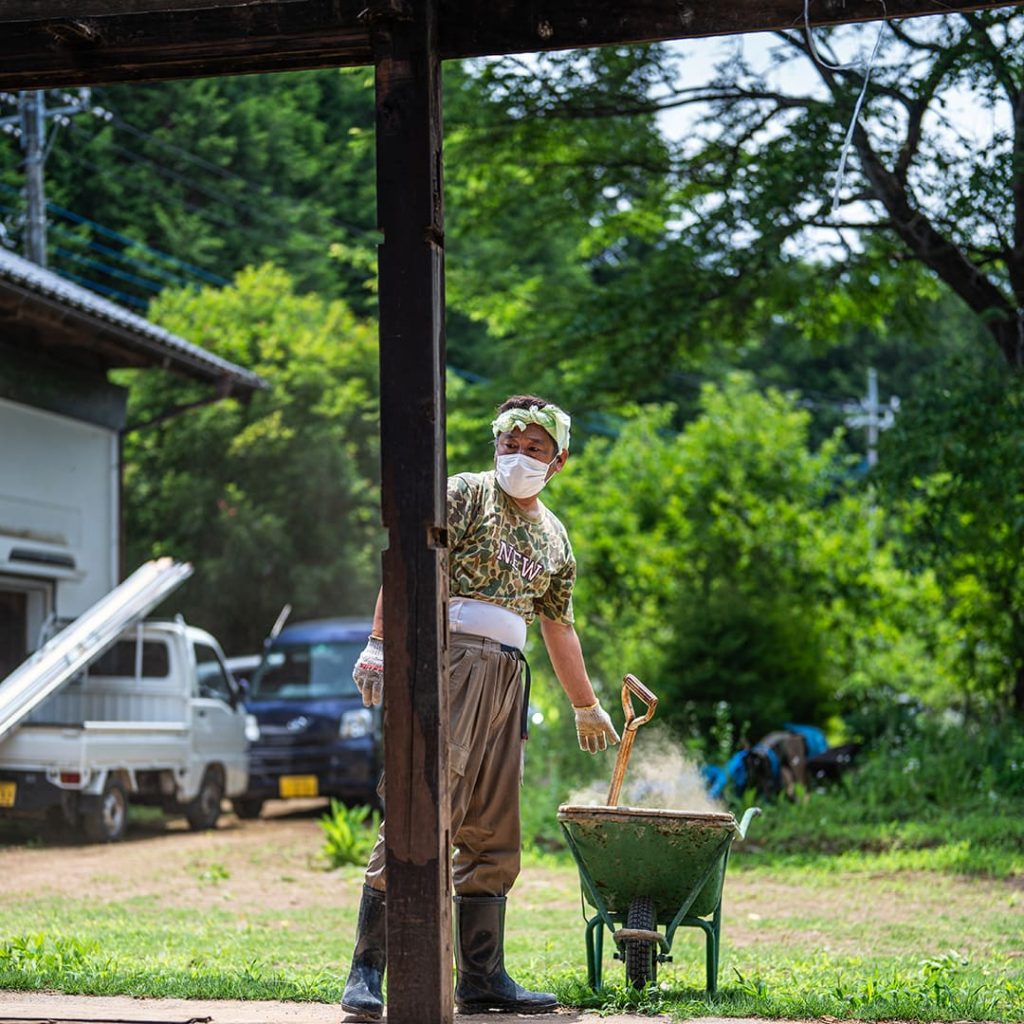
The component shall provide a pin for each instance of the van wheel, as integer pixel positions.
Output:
(108, 821)
(248, 807)
(202, 812)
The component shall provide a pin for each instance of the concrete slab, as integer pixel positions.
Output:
(55, 1008)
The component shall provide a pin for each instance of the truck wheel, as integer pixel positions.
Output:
(202, 813)
(107, 823)
(641, 955)
(248, 807)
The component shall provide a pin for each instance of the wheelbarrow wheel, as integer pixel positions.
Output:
(641, 955)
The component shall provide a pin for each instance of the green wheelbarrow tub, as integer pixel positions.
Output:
(628, 852)
(636, 863)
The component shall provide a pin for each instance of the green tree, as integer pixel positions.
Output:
(588, 254)
(822, 340)
(564, 240)
(220, 173)
(611, 263)
(731, 562)
(945, 192)
(956, 463)
(275, 501)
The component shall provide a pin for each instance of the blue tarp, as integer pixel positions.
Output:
(717, 777)
(813, 737)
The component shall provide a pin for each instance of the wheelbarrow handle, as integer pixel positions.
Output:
(749, 815)
(631, 685)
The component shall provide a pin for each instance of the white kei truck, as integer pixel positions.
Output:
(116, 709)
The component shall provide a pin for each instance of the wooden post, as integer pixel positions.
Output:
(410, 209)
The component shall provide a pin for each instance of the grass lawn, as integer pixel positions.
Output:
(250, 912)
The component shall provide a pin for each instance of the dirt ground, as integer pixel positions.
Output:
(261, 854)
(272, 865)
(271, 848)
(270, 856)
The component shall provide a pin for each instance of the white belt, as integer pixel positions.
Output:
(481, 618)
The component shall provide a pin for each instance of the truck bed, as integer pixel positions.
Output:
(96, 745)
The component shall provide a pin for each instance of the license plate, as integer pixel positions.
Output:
(297, 785)
(8, 791)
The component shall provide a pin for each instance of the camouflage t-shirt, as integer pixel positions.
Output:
(499, 554)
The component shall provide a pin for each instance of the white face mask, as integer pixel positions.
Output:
(520, 476)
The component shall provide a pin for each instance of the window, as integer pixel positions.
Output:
(301, 671)
(120, 660)
(24, 606)
(211, 675)
(13, 631)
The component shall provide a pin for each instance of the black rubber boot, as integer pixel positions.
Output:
(362, 997)
(483, 983)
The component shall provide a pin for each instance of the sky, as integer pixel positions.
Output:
(698, 58)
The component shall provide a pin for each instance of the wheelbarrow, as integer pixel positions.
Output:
(642, 867)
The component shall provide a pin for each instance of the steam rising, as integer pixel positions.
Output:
(659, 775)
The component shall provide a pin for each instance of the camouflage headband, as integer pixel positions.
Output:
(554, 420)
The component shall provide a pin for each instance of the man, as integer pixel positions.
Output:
(509, 562)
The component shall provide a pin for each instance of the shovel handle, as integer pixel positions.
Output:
(630, 686)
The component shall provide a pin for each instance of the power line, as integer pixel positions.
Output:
(125, 297)
(170, 147)
(108, 232)
(106, 250)
(206, 275)
(158, 277)
(118, 254)
(203, 212)
(263, 190)
(77, 218)
(106, 268)
(297, 209)
(29, 126)
(115, 254)
(191, 183)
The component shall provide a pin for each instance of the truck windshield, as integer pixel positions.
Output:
(297, 671)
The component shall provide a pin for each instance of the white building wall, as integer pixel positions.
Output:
(59, 502)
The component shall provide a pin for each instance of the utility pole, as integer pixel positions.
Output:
(29, 125)
(33, 135)
(869, 413)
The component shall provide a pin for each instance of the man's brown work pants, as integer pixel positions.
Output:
(485, 751)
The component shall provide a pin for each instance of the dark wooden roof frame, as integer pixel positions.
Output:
(78, 42)
(93, 41)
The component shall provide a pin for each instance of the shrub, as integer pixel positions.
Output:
(349, 834)
(934, 784)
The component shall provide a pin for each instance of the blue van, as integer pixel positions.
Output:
(315, 737)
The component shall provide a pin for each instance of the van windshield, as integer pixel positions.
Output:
(297, 671)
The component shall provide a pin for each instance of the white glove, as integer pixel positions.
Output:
(594, 728)
(368, 673)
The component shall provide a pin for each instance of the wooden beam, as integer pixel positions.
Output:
(98, 41)
(520, 26)
(29, 10)
(166, 43)
(410, 210)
